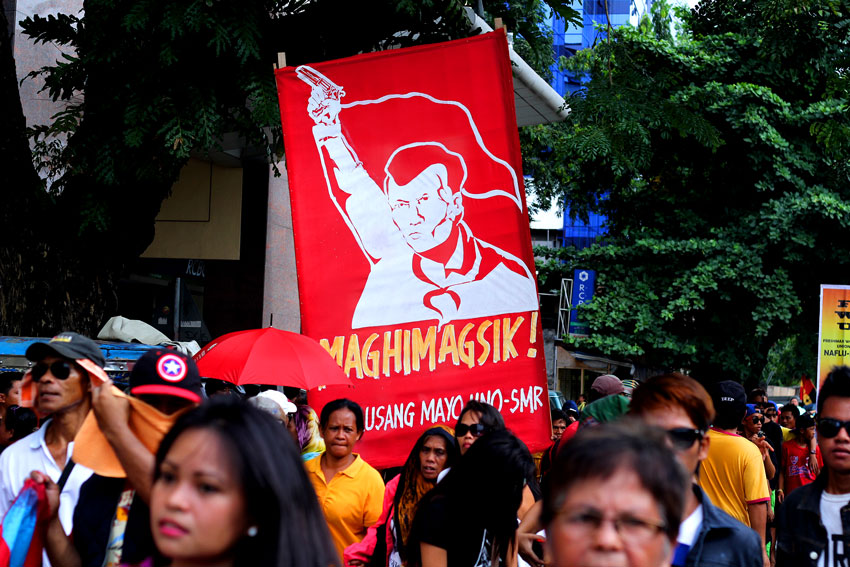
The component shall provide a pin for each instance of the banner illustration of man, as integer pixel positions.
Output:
(425, 262)
(412, 245)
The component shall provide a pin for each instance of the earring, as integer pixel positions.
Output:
(252, 531)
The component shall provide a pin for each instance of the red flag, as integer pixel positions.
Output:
(415, 268)
(807, 391)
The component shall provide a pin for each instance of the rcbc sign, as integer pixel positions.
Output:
(583, 283)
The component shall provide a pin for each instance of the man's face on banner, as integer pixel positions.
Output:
(425, 210)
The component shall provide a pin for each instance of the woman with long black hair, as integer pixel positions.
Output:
(386, 541)
(476, 418)
(470, 518)
(230, 490)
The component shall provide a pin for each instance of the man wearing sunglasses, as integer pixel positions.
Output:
(769, 410)
(772, 429)
(117, 441)
(771, 414)
(751, 427)
(813, 524)
(773, 434)
(707, 536)
(58, 385)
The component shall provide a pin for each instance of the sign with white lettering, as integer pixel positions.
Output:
(583, 284)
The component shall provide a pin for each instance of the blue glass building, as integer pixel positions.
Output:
(568, 39)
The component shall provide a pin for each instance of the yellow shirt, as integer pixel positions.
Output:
(733, 474)
(787, 434)
(352, 501)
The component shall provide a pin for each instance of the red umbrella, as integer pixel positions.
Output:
(269, 356)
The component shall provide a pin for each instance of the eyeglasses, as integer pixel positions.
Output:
(757, 420)
(60, 369)
(630, 528)
(477, 429)
(829, 428)
(683, 438)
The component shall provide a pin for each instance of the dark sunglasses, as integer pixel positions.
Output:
(60, 369)
(477, 429)
(829, 428)
(683, 438)
(757, 420)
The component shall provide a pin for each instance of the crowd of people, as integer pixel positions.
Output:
(172, 472)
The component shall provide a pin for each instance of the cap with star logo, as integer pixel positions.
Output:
(166, 372)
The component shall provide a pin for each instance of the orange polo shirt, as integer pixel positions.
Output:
(352, 501)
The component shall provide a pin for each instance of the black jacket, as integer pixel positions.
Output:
(93, 516)
(800, 534)
(722, 540)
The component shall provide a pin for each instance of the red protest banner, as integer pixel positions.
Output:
(415, 268)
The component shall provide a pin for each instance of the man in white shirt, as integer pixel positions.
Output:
(58, 385)
(813, 524)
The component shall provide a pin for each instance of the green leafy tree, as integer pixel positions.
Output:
(789, 359)
(721, 161)
(149, 84)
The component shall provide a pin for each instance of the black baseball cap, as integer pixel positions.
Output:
(729, 395)
(166, 372)
(804, 421)
(67, 344)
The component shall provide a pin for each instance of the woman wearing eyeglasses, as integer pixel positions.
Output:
(615, 497)
(682, 408)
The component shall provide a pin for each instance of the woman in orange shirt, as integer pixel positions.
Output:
(350, 491)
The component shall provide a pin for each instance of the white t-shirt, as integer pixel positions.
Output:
(688, 531)
(31, 454)
(689, 528)
(830, 515)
